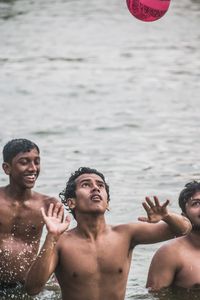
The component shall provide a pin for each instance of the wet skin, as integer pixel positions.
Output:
(178, 262)
(21, 221)
(92, 261)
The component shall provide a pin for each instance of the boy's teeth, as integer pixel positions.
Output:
(31, 176)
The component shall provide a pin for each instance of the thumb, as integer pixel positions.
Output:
(67, 219)
(143, 219)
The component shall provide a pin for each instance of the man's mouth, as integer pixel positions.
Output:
(31, 177)
(96, 197)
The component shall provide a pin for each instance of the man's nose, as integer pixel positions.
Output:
(95, 188)
(32, 166)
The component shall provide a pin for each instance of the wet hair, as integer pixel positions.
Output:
(15, 146)
(70, 189)
(189, 190)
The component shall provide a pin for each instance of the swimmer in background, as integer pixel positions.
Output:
(21, 222)
(177, 263)
(92, 260)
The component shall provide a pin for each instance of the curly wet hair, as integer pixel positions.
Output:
(70, 189)
(189, 190)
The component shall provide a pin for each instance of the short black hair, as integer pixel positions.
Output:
(15, 146)
(189, 190)
(70, 189)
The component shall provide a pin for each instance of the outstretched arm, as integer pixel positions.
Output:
(173, 225)
(47, 260)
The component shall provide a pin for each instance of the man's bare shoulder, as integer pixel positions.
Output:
(172, 248)
(47, 199)
(124, 227)
(2, 190)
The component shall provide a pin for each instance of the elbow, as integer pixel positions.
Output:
(32, 290)
(153, 289)
(154, 286)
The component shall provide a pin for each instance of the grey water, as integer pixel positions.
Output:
(93, 86)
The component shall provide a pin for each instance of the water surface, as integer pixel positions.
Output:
(93, 86)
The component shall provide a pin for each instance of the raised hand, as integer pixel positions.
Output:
(155, 211)
(54, 219)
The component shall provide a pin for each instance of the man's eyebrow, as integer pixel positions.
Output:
(85, 180)
(100, 181)
(88, 180)
(195, 199)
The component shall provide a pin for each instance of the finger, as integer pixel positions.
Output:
(67, 219)
(56, 210)
(146, 207)
(156, 201)
(50, 210)
(150, 203)
(43, 213)
(143, 219)
(61, 213)
(165, 203)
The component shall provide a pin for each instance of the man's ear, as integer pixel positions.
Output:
(6, 167)
(107, 207)
(71, 202)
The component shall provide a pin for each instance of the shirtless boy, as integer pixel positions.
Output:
(21, 222)
(177, 263)
(92, 260)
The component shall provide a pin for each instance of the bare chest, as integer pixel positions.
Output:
(189, 272)
(89, 261)
(20, 221)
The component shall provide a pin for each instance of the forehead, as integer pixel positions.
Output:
(32, 153)
(196, 196)
(89, 177)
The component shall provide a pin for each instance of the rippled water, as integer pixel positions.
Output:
(94, 86)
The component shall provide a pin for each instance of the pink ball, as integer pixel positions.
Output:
(148, 10)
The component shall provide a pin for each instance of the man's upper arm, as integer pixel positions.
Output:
(162, 269)
(149, 233)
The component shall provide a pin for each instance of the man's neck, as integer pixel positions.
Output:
(91, 226)
(16, 193)
(194, 238)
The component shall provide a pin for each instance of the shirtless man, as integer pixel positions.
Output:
(177, 263)
(92, 260)
(21, 222)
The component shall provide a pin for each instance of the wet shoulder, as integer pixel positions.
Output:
(67, 238)
(173, 247)
(125, 228)
(45, 199)
(3, 192)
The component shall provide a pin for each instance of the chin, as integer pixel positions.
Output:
(29, 186)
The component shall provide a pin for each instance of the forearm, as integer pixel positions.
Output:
(178, 224)
(42, 267)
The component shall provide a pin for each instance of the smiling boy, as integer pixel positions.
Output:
(21, 222)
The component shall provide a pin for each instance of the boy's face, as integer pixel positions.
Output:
(91, 195)
(24, 168)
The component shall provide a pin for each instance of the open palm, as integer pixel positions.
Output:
(54, 219)
(155, 211)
